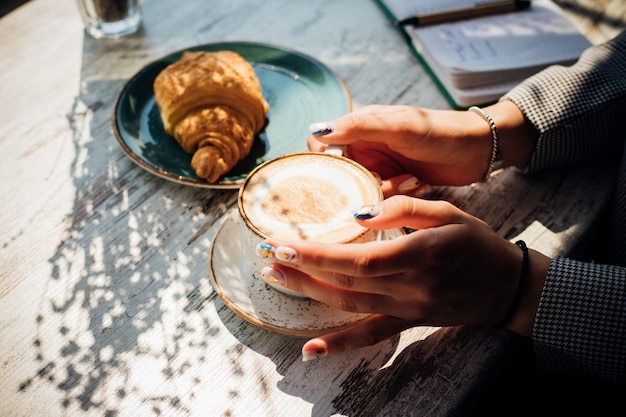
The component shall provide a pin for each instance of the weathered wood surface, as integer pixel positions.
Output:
(106, 308)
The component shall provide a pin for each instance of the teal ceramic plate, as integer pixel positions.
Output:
(299, 90)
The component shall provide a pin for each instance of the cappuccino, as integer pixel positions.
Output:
(307, 196)
(304, 196)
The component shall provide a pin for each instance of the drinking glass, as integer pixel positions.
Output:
(110, 18)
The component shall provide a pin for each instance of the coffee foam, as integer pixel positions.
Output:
(308, 198)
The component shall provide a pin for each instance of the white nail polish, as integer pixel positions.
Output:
(320, 128)
(272, 276)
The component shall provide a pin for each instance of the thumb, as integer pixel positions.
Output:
(371, 124)
(368, 332)
(404, 211)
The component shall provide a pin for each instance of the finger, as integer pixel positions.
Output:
(403, 211)
(315, 145)
(363, 293)
(373, 259)
(338, 262)
(372, 330)
(367, 124)
(405, 184)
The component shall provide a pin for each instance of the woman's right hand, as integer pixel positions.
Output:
(453, 270)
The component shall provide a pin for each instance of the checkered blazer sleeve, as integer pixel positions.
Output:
(580, 113)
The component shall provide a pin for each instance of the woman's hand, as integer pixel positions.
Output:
(434, 145)
(409, 147)
(452, 270)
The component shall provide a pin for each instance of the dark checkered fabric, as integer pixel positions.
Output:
(580, 113)
(581, 323)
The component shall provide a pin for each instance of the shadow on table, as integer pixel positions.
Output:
(440, 373)
(318, 379)
(538, 201)
(436, 375)
(127, 316)
(597, 12)
(7, 6)
(124, 306)
(519, 389)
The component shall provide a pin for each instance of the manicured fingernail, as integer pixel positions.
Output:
(423, 191)
(367, 212)
(272, 276)
(281, 253)
(320, 128)
(408, 185)
(264, 250)
(286, 254)
(309, 355)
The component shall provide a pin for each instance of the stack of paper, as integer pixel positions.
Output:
(477, 60)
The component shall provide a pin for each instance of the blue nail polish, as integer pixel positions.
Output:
(264, 250)
(367, 212)
(320, 128)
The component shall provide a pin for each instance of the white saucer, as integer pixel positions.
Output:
(252, 299)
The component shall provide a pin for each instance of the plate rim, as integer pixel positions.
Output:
(165, 174)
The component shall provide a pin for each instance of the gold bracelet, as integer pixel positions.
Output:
(494, 159)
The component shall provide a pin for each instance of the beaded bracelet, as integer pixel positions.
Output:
(494, 143)
(520, 285)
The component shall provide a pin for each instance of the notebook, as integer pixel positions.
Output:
(476, 60)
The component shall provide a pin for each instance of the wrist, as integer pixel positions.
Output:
(523, 317)
(495, 157)
(478, 138)
(517, 137)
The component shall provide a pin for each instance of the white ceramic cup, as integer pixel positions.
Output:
(304, 196)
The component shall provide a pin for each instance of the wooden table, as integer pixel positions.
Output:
(106, 307)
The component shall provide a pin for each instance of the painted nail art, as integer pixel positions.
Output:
(264, 250)
(272, 276)
(367, 212)
(286, 254)
(320, 128)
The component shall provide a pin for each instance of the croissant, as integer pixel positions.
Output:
(212, 104)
